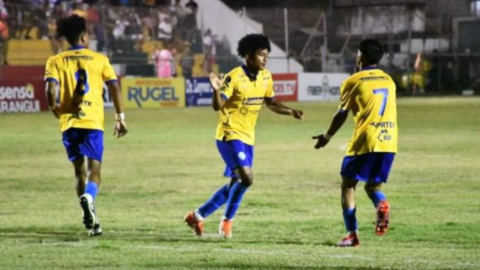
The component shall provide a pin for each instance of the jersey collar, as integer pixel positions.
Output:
(249, 74)
(77, 47)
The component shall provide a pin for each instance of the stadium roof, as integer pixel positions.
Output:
(358, 3)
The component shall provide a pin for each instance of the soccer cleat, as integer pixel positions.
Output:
(89, 218)
(351, 240)
(195, 223)
(383, 218)
(225, 228)
(96, 231)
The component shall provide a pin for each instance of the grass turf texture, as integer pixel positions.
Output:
(291, 218)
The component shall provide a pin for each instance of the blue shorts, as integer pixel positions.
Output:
(235, 154)
(81, 142)
(373, 167)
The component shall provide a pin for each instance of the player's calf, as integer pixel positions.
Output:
(383, 218)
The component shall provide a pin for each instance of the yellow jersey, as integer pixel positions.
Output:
(371, 96)
(244, 94)
(65, 69)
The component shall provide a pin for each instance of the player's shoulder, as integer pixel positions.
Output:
(97, 56)
(266, 74)
(235, 74)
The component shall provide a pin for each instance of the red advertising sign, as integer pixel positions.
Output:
(285, 86)
(26, 95)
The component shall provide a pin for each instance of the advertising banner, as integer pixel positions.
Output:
(198, 91)
(22, 96)
(285, 86)
(153, 92)
(320, 86)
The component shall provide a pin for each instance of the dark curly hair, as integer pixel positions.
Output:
(71, 28)
(371, 50)
(252, 42)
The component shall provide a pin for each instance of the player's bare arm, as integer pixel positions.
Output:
(51, 92)
(278, 107)
(217, 101)
(337, 122)
(120, 126)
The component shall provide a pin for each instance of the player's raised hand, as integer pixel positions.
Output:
(215, 81)
(120, 128)
(297, 114)
(322, 141)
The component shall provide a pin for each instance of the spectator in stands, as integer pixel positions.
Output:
(4, 36)
(119, 31)
(190, 20)
(165, 29)
(192, 5)
(187, 62)
(39, 19)
(209, 52)
(179, 12)
(163, 60)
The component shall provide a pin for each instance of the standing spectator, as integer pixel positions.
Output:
(165, 29)
(163, 59)
(4, 36)
(190, 20)
(209, 52)
(187, 62)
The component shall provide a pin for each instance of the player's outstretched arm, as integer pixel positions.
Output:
(278, 107)
(120, 126)
(217, 82)
(337, 122)
(50, 89)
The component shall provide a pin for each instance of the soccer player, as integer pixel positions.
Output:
(80, 73)
(239, 97)
(370, 95)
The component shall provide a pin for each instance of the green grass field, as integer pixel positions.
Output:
(290, 219)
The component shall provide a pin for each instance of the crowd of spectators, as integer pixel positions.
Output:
(117, 26)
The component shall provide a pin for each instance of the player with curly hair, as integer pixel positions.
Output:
(238, 97)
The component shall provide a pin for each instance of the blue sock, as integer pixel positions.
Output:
(92, 189)
(350, 219)
(234, 199)
(216, 201)
(377, 197)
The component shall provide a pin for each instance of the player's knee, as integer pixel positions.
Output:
(370, 188)
(247, 180)
(348, 183)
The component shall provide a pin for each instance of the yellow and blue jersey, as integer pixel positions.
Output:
(66, 69)
(371, 96)
(244, 94)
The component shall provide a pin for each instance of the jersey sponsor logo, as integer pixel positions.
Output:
(384, 136)
(383, 124)
(242, 156)
(253, 101)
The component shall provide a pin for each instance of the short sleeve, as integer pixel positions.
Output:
(270, 93)
(51, 71)
(346, 96)
(108, 73)
(226, 91)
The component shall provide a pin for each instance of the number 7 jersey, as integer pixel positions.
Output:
(371, 96)
(76, 65)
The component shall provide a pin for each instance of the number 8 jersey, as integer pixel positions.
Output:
(371, 96)
(91, 69)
